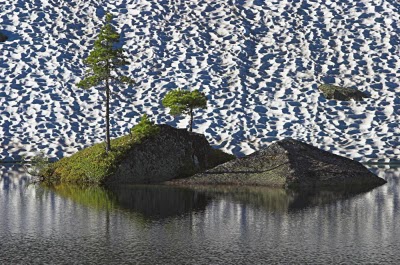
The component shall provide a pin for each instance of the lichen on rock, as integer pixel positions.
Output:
(291, 164)
(341, 93)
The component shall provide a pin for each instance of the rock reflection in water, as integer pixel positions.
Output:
(152, 201)
(157, 201)
(276, 199)
(88, 225)
(160, 201)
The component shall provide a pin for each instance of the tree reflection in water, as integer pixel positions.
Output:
(151, 201)
(161, 201)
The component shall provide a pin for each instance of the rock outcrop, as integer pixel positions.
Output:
(172, 153)
(290, 164)
(341, 93)
(3, 37)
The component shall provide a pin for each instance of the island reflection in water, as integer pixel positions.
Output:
(151, 201)
(150, 224)
(163, 201)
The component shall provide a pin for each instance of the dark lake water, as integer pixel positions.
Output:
(219, 225)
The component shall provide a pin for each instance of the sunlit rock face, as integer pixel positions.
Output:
(259, 63)
(171, 153)
(292, 164)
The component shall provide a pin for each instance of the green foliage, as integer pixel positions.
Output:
(104, 64)
(145, 128)
(105, 60)
(37, 164)
(90, 165)
(184, 102)
(94, 164)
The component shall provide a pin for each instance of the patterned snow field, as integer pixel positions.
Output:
(259, 62)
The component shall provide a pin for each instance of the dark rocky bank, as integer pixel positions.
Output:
(291, 164)
(172, 153)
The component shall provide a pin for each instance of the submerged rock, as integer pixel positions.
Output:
(291, 164)
(341, 93)
(3, 37)
(172, 153)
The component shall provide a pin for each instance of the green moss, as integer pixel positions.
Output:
(90, 165)
(94, 164)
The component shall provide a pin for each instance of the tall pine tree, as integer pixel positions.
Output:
(104, 67)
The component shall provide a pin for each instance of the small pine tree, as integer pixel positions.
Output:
(184, 102)
(103, 64)
(145, 128)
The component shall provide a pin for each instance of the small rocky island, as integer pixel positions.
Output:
(3, 37)
(290, 164)
(341, 93)
(164, 154)
(186, 158)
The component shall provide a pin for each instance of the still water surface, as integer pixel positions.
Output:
(170, 225)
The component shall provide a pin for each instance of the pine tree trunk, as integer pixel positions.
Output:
(108, 140)
(191, 120)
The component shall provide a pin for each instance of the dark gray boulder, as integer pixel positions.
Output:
(290, 164)
(3, 37)
(172, 153)
(341, 93)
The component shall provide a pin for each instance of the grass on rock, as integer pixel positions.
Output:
(90, 165)
(94, 164)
